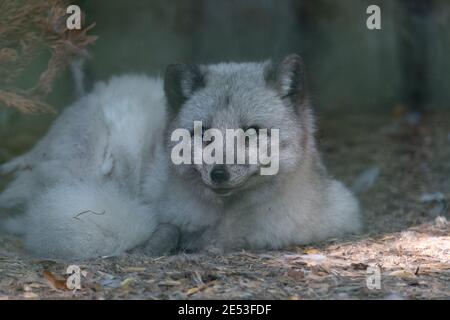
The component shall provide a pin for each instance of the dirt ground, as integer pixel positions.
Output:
(402, 173)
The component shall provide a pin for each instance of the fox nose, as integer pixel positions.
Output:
(219, 174)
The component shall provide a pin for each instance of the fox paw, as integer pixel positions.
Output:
(163, 241)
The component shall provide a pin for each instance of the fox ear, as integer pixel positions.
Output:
(288, 78)
(180, 82)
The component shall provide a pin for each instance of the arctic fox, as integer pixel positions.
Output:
(78, 189)
(232, 206)
(103, 182)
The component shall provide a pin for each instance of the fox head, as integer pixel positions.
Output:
(255, 97)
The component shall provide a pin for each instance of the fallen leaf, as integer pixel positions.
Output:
(125, 284)
(58, 284)
(402, 274)
(194, 290)
(313, 259)
(169, 283)
(311, 251)
(30, 295)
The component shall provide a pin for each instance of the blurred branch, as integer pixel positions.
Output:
(28, 28)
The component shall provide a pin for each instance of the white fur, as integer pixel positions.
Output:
(91, 159)
(106, 156)
(82, 220)
(305, 208)
(301, 204)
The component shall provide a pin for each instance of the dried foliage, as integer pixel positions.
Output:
(27, 29)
